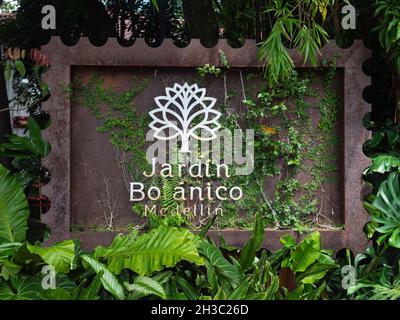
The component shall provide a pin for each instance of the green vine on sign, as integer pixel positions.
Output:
(126, 127)
(287, 145)
(127, 130)
(290, 148)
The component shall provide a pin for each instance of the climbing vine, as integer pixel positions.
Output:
(120, 119)
(290, 148)
(288, 145)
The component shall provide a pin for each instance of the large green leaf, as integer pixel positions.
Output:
(60, 256)
(270, 293)
(370, 290)
(190, 292)
(145, 286)
(41, 146)
(384, 163)
(21, 288)
(8, 249)
(307, 252)
(20, 67)
(8, 269)
(109, 281)
(26, 147)
(8, 69)
(248, 253)
(220, 295)
(120, 243)
(14, 210)
(91, 292)
(240, 292)
(217, 266)
(387, 201)
(315, 272)
(160, 248)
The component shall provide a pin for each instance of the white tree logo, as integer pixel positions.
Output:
(187, 111)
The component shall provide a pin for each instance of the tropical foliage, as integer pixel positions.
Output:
(295, 22)
(170, 262)
(13, 208)
(167, 262)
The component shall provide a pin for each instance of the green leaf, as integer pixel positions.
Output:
(41, 146)
(8, 69)
(55, 294)
(288, 241)
(277, 61)
(394, 239)
(212, 276)
(307, 44)
(307, 252)
(91, 292)
(207, 226)
(187, 288)
(316, 272)
(273, 287)
(8, 269)
(155, 4)
(151, 252)
(315, 294)
(240, 292)
(14, 210)
(26, 147)
(398, 31)
(60, 256)
(384, 163)
(387, 201)
(221, 267)
(21, 288)
(8, 249)
(109, 281)
(146, 286)
(223, 245)
(63, 281)
(248, 253)
(221, 295)
(119, 243)
(19, 65)
(383, 290)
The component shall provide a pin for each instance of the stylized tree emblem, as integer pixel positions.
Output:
(188, 112)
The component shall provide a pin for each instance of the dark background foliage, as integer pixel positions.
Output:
(237, 20)
(182, 20)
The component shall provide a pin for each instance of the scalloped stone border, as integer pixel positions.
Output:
(168, 55)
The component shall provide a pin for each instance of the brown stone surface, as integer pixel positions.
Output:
(95, 162)
(83, 56)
